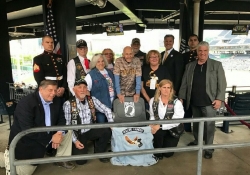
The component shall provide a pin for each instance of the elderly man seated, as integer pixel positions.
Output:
(80, 109)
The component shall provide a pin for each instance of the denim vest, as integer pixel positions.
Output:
(100, 89)
(132, 139)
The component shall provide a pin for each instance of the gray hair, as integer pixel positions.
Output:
(95, 59)
(203, 43)
(46, 83)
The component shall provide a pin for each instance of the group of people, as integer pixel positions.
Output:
(161, 79)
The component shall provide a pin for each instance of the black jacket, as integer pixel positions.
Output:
(175, 67)
(29, 113)
(50, 65)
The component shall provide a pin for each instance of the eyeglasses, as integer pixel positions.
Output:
(108, 53)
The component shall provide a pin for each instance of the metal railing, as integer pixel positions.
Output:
(200, 147)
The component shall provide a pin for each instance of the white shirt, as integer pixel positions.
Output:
(178, 112)
(71, 72)
(166, 51)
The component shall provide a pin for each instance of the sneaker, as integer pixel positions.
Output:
(66, 165)
(208, 155)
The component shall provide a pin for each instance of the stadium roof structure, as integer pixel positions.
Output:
(27, 15)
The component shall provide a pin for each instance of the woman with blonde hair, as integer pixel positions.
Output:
(164, 105)
(109, 54)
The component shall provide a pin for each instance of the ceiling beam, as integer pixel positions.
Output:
(167, 5)
(155, 14)
(25, 21)
(227, 17)
(17, 5)
(123, 6)
(103, 19)
(228, 6)
(91, 9)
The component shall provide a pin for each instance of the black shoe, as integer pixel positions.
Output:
(104, 160)
(208, 155)
(192, 144)
(51, 152)
(159, 156)
(66, 165)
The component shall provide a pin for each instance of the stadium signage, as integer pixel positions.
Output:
(115, 29)
(239, 29)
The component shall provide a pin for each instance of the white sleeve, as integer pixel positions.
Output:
(152, 117)
(88, 79)
(71, 70)
(178, 110)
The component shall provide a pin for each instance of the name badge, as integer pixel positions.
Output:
(152, 83)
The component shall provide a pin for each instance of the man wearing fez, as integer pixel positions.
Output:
(80, 109)
(50, 66)
(78, 67)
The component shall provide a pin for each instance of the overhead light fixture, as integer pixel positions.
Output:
(99, 3)
(171, 24)
(16, 32)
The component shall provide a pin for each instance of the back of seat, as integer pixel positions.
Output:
(129, 111)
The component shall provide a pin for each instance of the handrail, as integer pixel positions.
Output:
(199, 147)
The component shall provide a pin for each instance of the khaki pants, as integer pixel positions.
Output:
(64, 149)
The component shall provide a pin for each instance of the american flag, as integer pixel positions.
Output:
(51, 29)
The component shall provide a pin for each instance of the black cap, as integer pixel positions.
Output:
(80, 81)
(81, 43)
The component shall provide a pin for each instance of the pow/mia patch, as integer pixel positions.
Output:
(36, 68)
(79, 66)
(129, 109)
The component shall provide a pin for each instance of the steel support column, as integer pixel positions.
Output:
(5, 66)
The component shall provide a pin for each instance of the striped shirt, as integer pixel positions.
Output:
(85, 114)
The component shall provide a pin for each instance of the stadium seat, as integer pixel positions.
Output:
(129, 111)
(6, 108)
(131, 138)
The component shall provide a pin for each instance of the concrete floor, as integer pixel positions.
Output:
(235, 161)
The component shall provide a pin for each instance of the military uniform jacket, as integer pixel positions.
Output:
(50, 66)
(190, 56)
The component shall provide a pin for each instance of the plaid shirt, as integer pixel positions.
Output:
(85, 114)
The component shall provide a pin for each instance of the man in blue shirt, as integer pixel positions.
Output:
(39, 109)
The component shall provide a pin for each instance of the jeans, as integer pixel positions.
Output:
(101, 118)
